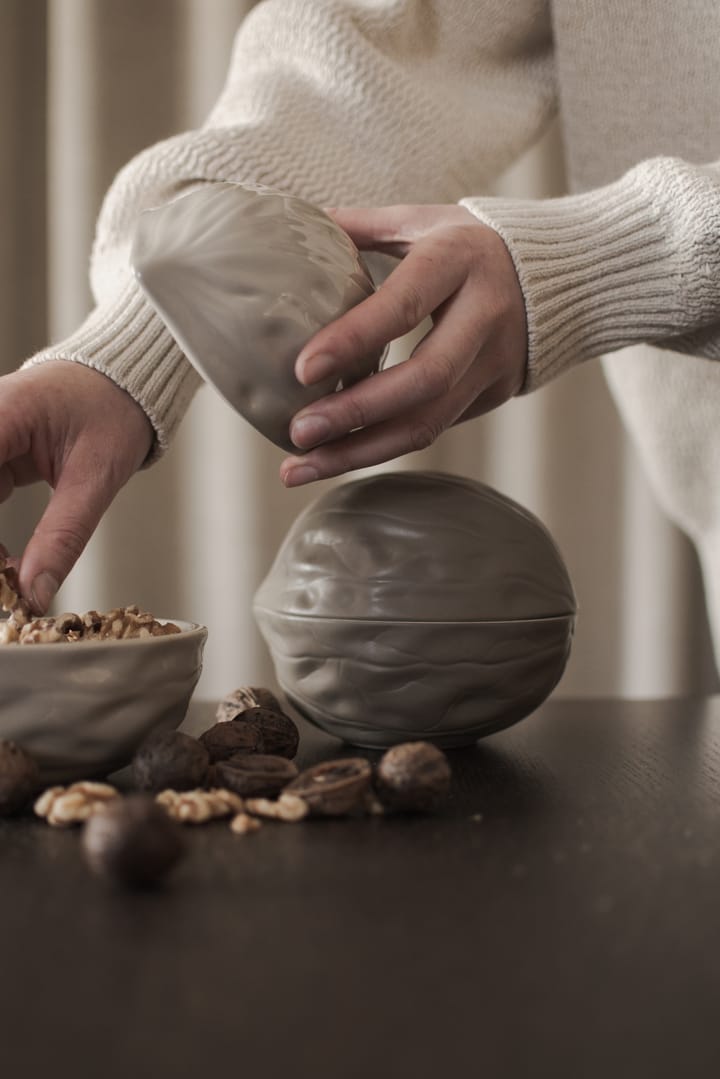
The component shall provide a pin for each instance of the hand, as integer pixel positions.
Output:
(74, 428)
(455, 269)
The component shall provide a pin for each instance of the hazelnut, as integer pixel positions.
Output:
(412, 777)
(19, 778)
(170, 759)
(132, 841)
(333, 788)
(254, 775)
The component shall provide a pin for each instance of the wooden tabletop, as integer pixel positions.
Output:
(560, 917)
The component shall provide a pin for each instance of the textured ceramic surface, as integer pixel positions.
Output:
(243, 277)
(416, 605)
(82, 709)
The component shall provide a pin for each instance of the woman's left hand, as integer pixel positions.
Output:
(455, 269)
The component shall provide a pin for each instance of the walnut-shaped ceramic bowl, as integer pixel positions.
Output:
(82, 709)
(243, 277)
(416, 605)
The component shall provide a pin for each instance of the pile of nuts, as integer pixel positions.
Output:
(118, 624)
(241, 768)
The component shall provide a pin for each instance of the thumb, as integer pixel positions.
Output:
(62, 533)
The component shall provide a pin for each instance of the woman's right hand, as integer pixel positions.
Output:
(72, 427)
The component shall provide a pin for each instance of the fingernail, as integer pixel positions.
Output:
(295, 477)
(309, 430)
(43, 591)
(315, 368)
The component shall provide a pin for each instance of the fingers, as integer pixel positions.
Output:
(415, 430)
(75, 429)
(70, 518)
(436, 366)
(430, 273)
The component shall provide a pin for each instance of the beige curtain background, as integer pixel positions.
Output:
(84, 85)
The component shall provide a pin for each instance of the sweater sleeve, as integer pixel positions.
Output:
(340, 102)
(635, 261)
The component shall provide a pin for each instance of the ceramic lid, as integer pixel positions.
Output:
(243, 276)
(417, 546)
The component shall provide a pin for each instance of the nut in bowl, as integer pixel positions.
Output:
(416, 606)
(81, 707)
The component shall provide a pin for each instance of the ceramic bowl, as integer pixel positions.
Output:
(416, 605)
(83, 708)
(243, 276)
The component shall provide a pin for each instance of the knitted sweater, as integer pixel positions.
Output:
(372, 102)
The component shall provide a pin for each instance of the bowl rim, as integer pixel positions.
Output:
(187, 630)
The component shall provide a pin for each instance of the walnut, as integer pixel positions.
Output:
(9, 632)
(244, 824)
(244, 697)
(225, 740)
(123, 622)
(70, 626)
(12, 602)
(288, 807)
(63, 806)
(412, 777)
(40, 631)
(10, 598)
(170, 759)
(255, 774)
(199, 806)
(256, 730)
(334, 788)
(131, 841)
(117, 624)
(19, 778)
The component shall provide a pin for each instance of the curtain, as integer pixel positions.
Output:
(88, 83)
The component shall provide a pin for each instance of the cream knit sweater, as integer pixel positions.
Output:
(385, 101)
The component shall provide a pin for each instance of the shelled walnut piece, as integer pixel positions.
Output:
(118, 624)
(12, 602)
(244, 824)
(199, 806)
(287, 807)
(64, 806)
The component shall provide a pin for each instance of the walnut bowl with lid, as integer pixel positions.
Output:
(416, 605)
(81, 707)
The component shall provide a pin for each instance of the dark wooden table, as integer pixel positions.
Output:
(561, 917)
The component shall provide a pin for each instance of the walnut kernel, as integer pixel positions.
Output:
(63, 806)
(199, 806)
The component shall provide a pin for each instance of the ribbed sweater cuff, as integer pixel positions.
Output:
(606, 268)
(128, 342)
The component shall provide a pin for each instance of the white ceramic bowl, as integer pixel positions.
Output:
(82, 709)
(416, 605)
(374, 684)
